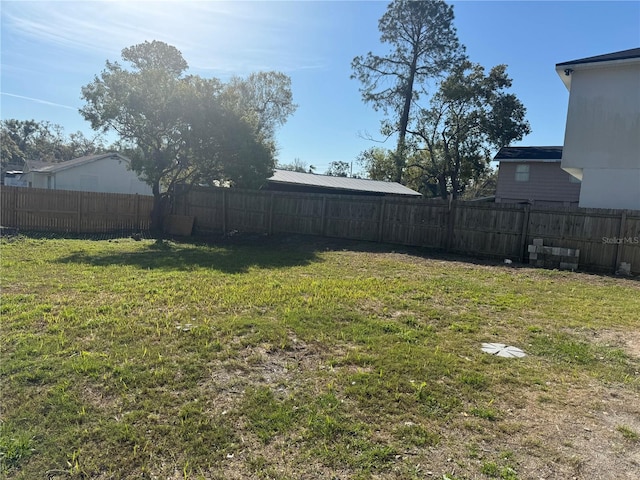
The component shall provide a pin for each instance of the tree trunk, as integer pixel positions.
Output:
(400, 159)
(442, 182)
(157, 211)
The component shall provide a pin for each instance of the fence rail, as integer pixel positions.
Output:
(605, 238)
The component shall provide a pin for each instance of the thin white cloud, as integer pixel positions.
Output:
(39, 100)
(225, 37)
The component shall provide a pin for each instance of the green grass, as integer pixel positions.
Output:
(124, 359)
(628, 433)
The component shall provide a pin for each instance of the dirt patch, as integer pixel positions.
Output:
(628, 341)
(576, 436)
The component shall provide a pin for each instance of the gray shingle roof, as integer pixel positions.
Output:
(609, 57)
(341, 183)
(513, 154)
(41, 167)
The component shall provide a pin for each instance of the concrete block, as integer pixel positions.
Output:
(547, 250)
(577, 252)
(556, 251)
(533, 256)
(531, 249)
(539, 263)
(624, 269)
(538, 242)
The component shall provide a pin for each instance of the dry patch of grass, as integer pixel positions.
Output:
(128, 359)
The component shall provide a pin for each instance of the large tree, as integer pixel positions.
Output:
(423, 44)
(179, 128)
(378, 164)
(339, 169)
(263, 99)
(22, 141)
(471, 114)
(296, 166)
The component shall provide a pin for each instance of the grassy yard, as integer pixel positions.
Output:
(303, 359)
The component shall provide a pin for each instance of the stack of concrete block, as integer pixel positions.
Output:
(553, 257)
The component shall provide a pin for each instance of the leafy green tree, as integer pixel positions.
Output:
(263, 99)
(297, 166)
(17, 141)
(470, 114)
(339, 169)
(224, 147)
(176, 127)
(423, 44)
(378, 164)
(29, 140)
(145, 107)
(485, 186)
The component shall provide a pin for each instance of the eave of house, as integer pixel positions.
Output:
(529, 160)
(616, 59)
(529, 154)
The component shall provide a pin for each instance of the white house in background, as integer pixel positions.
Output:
(602, 136)
(108, 173)
(13, 178)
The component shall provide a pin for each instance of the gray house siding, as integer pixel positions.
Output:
(547, 184)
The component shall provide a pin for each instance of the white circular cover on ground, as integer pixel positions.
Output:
(502, 350)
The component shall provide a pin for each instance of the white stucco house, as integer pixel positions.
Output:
(602, 136)
(108, 173)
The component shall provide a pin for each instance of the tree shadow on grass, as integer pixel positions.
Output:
(237, 253)
(189, 256)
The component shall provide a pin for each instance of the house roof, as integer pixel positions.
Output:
(41, 167)
(608, 57)
(531, 154)
(340, 183)
(565, 69)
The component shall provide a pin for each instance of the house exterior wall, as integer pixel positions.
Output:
(602, 136)
(548, 184)
(36, 180)
(110, 175)
(610, 188)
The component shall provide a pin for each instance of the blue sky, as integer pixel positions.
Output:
(51, 49)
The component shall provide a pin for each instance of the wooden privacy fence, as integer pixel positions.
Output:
(605, 238)
(73, 212)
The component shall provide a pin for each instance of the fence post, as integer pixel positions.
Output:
(137, 218)
(79, 218)
(323, 215)
(224, 211)
(184, 196)
(270, 219)
(524, 232)
(450, 224)
(15, 207)
(381, 220)
(620, 240)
